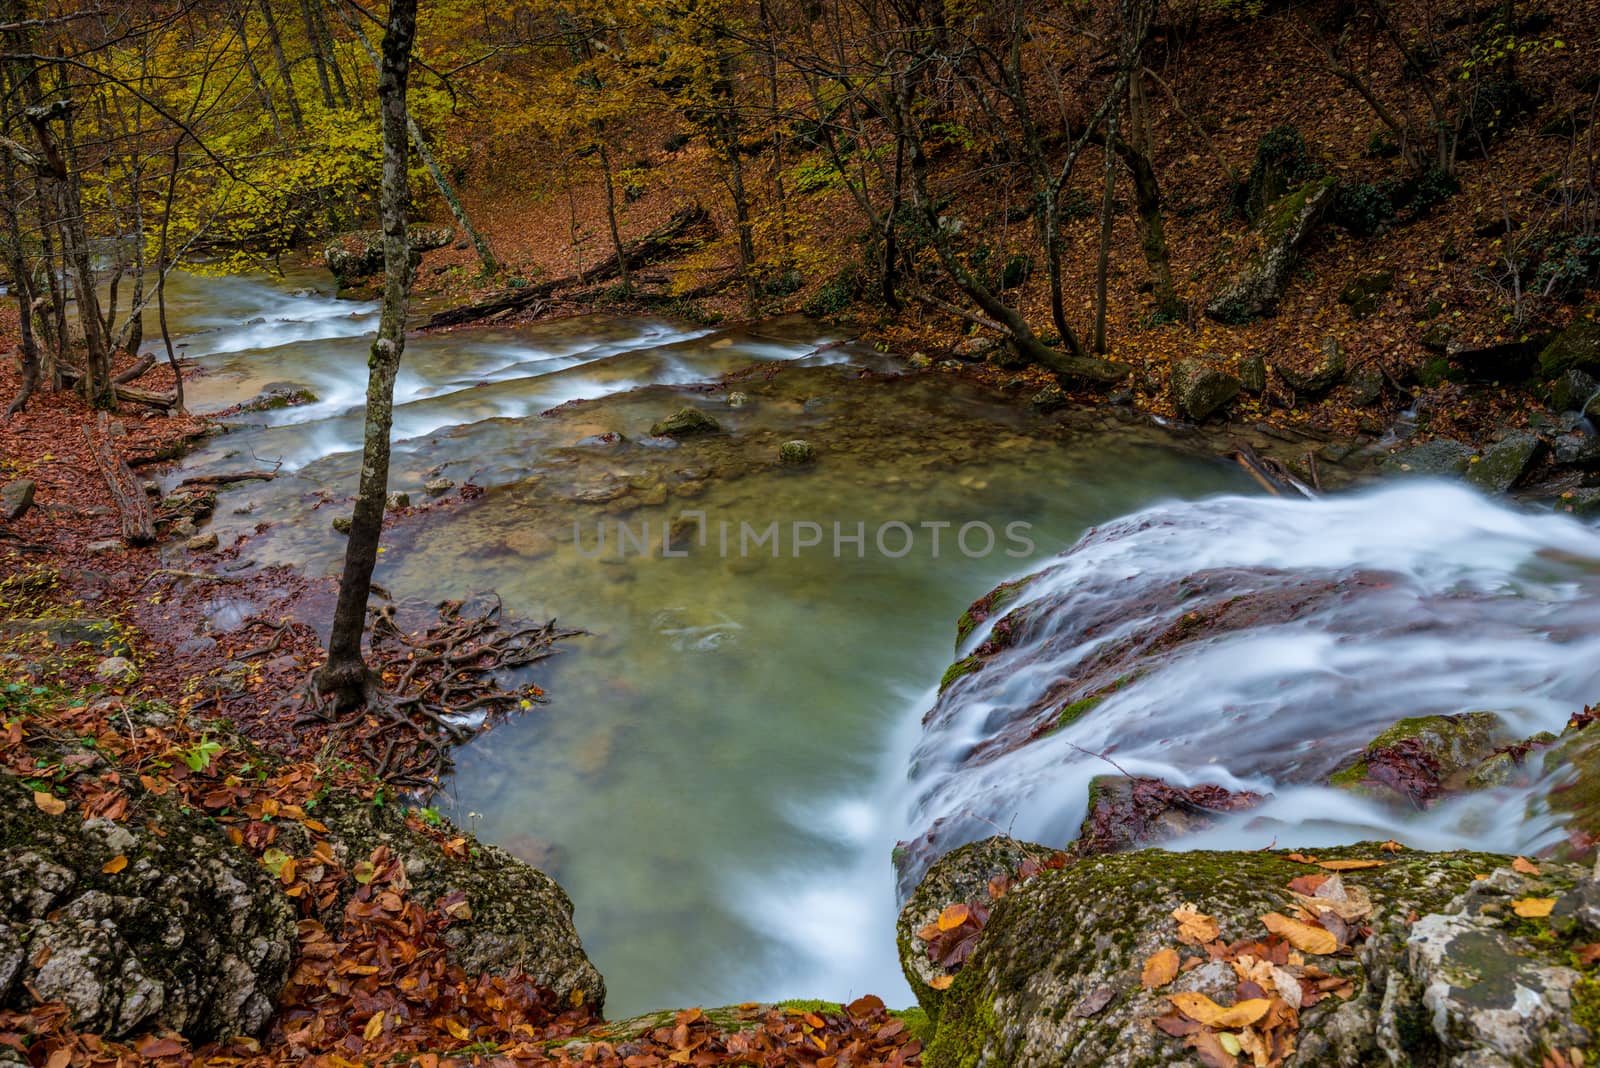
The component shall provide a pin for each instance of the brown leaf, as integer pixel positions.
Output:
(1160, 969)
(1093, 1002)
(1525, 866)
(1209, 1049)
(1302, 936)
(1349, 865)
(953, 916)
(1587, 954)
(1176, 1024)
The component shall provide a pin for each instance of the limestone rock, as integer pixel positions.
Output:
(1441, 456)
(1575, 348)
(436, 487)
(1284, 227)
(1201, 388)
(16, 498)
(1422, 757)
(396, 501)
(1324, 373)
(192, 935)
(116, 669)
(1572, 390)
(1253, 374)
(202, 543)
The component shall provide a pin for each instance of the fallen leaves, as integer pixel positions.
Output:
(1349, 865)
(1303, 936)
(1524, 866)
(1208, 1013)
(1195, 928)
(1533, 908)
(48, 803)
(1160, 969)
(114, 865)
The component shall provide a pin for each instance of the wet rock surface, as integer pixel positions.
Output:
(190, 935)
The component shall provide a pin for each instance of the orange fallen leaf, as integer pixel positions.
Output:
(114, 865)
(457, 1029)
(1587, 954)
(49, 804)
(1350, 865)
(941, 982)
(1391, 846)
(953, 916)
(1195, 928)
(1203, 1010)
(1525, 866)
(1302, 936)
(1533, 908)
(1301, 858)
(1160, 969)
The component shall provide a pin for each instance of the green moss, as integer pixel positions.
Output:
(1076, 710)
(966, 1022)
(965, 666)
(810, 1005)
(916, 1022)
(990, 604)
(1586, 1006)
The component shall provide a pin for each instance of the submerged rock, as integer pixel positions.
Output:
(1445, 974)
(685, 422)
(797, 452)
(1130, 811)
(191, 935)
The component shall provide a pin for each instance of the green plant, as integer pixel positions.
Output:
(200, 755)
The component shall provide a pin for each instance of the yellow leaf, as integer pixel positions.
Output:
(1160, 969)
(114, 865)
(941, 982)
(1203, 1010)
(1533, 908)
(1350, 865)
(953, 916)
(1230, 1042)
(1195, 928)
(374, 1027)
(457, 1029)
(1302, 936)
(49, 804)
(1525, 866)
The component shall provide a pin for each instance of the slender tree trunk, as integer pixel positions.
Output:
(1103, 264)
(1138, 153)
(446, 190)
(345, 676)
(296, 118)
(741, 210)
(257, 82)
(611, 220)
(314, 39)
(331, 51)
(22, 284)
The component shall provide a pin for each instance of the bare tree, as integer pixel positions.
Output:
(345, 676)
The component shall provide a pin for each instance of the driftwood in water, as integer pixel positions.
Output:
(228, 479)
(1273, 476)
(138, 522)
(667, 238)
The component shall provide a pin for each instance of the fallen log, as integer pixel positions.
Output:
(667, 238)
(133, 507)
(228, 479)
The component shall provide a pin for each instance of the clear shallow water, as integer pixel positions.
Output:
(719, 777)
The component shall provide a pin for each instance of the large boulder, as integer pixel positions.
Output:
(184, 933)
(1506, 462)
(1575, 348)
(521, 920)
(16, 498)
(1442, 971)
(1284, 227)
(1422, 757)
(1200, 388)
(1440, 456)
(359, 253)
(961, 875)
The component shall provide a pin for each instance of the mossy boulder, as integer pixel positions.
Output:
(1447, 976)
(685, 422)
(1575, 348)
(1571, 768)
(190, 935)
(1505, 463)
(1572, 390)
(1324, 371)
(1364, 295)
(959, 876)
(359, 253)
(992, 603)
(1127, 811)
(521, 920)
(1423, 757)
(1257, 290)
(1200, 388)
(797, 453)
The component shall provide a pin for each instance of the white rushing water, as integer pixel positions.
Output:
(1411, 599)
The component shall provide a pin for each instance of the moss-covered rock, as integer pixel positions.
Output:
(1440, 456)
(685, 422)
(959, 876)
(1200, 388)
(1421, 757)
(1055, 978)
(1575, 348)
(1572, 772)
(1284, 227)
(521, 920)
(189, 934)
(1325, 370)
(1364, 295)
(1505, 463)
(990, 604)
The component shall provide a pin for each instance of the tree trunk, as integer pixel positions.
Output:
(257, 82)
(1102, 267)
(315, 40)
(1138, 154)
(296, 118)
(446, 190)
(22, 284)
(345, 676)
(741, 209)
(611, 220)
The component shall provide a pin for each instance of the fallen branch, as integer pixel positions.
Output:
(138, 523)
(229, 478)
(171, 572)
(663, 240)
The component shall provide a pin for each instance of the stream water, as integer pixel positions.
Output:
(720, 774)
